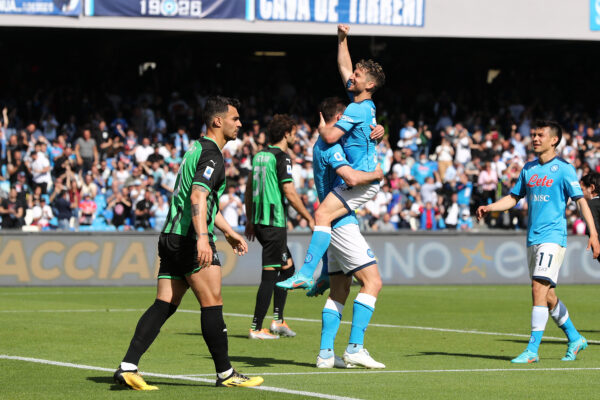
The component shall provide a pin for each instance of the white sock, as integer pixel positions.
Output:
(334, 305)
(539, 318)
(125, 366)
(366, 299)
(223, 375)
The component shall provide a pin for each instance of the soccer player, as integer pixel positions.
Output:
(349, 254)
(547, 183)
(271, 183)
(188, 257)
(358, 142)
(590, 185)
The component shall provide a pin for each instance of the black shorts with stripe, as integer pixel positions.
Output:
(179, 256)
(273, 240)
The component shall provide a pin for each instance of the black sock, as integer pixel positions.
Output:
(147, 329)
(280, 295)
(214, 331)
(263, 298)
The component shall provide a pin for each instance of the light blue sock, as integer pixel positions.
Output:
(534, 341)
(319, 243)
(363, 309)
(560, 315)
(331, 318)
(539, 318)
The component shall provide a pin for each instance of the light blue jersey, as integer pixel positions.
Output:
(547, 188)
(357, 143)
(326, 160)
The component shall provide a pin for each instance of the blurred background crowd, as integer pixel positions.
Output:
(92, 140)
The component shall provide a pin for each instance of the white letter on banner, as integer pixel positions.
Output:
(353, 11)
(586, 264)
(290, 10)
(393, 258)
(266, 9)
(303, 10)
(419, 10)
(362, 11)
(320, 10)
(446, 256)
(516, 253)
(385, 12)
(373, 12)
(397, 12)
(408, 13)
(332, 14)
(278, 9)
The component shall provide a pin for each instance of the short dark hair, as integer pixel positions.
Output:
(330, 107)
(374, 70)
(216, 105)
(555, 128)
(279, 125)
(593, 178)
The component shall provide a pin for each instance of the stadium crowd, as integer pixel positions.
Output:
(118, 171)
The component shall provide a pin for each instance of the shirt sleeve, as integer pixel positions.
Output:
(284, 168)
(351, 117)
(337, 157)
(571, 184)
(208, 169)
(519, 189)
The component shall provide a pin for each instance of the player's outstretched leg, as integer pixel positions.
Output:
(146, 332)
(331, 318)
(539, 318)
(322, 282)
(263, 300)
(278, 325)
(577, 343)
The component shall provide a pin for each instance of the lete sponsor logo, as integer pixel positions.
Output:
(535, 180)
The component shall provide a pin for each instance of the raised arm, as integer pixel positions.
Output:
(353, 177)
(586, 213)
(344, 60)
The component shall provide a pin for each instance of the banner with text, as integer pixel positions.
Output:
(595, 15)
(131, 259)
(41, 7)
(374, 12)
(167, 8)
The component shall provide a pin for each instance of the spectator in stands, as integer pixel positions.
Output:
(445, 156)
(62, 205)
(422, 170)
(160, 210)
(39, 168)
(120, 206)
(87, 209)
(452, 212)
(465, 223)
(12, 211)
(86, 150)
(383, 224)
(143, 210)
(488, 182)
(428, 217)
(231, 207)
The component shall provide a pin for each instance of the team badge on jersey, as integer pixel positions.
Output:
(338, 156)
(554, 168)
(289, 169)
(370, 253)
(208, 172)
(347, 118)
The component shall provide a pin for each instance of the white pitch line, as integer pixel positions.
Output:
(176, 377)
(60, 292)
(422, 328)
(416, 371)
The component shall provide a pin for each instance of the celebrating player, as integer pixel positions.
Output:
(188, 256)
(358, 141)
(349, 254)
(547, 183)
(271, 181)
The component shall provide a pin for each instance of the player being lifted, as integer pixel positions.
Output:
(358, 141)
(271, 183)
(349, 255)
(188, 256)
(547, 183)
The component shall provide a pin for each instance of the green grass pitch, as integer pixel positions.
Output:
(90, 327)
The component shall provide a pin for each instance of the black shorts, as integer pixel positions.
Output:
(179, 256)
(273, 240)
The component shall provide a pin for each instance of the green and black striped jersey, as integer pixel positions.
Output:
(202, 165)
(271, 168)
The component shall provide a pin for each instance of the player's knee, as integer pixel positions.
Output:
(321, 217)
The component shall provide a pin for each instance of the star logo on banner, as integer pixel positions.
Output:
(476, 259)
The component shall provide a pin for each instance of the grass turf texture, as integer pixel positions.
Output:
(99, 335)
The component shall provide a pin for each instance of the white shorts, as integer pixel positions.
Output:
(348, 251)
(545, 260)
(355, 196)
